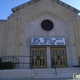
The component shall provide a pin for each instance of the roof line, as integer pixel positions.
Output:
(67, 6)
(23, 5)
(33, 1)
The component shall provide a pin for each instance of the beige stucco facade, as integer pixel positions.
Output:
(25, 22)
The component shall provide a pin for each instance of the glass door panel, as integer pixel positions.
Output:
(42, 60)
(34, 54)
(55, 62)
(62, 57)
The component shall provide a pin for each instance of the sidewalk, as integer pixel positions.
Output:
(33, 79)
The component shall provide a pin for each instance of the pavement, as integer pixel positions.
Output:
(34, 79)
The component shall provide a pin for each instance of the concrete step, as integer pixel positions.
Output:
(61, 73)
(39, 71)
(58, 70)
(53, 76)
(44, 75)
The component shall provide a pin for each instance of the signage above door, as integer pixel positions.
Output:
(48, 41)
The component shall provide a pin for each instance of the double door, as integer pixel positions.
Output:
(58, 57)
(38, 58)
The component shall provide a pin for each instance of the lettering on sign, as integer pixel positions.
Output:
(47, 41)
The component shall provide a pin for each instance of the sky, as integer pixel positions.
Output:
(7, 5)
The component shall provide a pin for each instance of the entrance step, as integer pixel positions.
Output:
(61, 73)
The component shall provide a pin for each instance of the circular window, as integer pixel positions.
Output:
(47, 25)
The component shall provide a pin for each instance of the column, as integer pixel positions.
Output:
(48, 57)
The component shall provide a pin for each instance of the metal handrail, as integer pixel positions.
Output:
(15, 59)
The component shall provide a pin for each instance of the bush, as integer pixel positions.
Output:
(0, 63)
(8, 65)
(0, 60)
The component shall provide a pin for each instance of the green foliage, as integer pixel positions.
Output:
(0, 60)
(0, 63)
(6, 65)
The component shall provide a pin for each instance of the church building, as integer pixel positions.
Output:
(41, 34)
